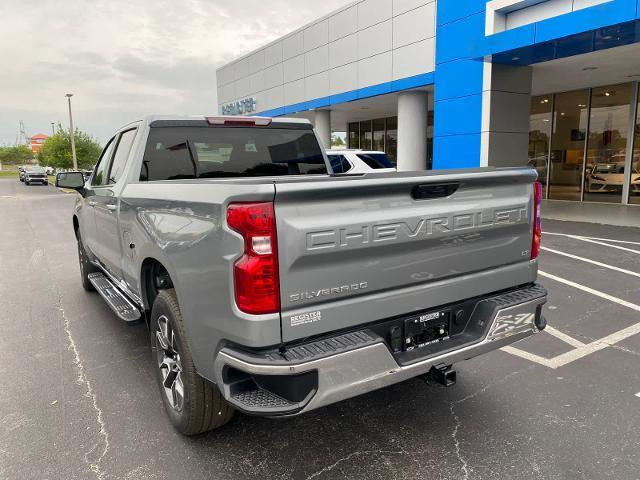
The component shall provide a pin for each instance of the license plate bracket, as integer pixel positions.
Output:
(426, 329)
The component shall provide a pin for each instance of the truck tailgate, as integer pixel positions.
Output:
(356, 250)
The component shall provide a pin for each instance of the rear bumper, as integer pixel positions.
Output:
(326, 371)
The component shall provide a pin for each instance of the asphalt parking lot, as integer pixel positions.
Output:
(79, 398)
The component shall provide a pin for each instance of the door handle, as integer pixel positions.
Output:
(91, 203)
(111, 207)
(429, 192)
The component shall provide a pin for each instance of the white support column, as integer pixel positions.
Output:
(412, 130)
(322, 124)
(506, 103)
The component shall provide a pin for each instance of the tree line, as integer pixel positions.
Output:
(56, 151)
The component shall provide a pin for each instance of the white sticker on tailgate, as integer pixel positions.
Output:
(304, 318)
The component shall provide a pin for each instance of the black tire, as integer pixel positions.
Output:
(86, 267)
(203, 408)
(26, 183)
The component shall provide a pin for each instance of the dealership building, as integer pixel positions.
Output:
(465, 83)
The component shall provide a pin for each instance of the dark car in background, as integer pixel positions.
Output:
(35, 174)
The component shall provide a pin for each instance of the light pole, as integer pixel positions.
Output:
(53, 128)
(73, 141)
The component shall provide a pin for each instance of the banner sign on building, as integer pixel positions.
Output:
(241, 107)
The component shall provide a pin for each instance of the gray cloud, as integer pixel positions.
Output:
(123, 59)
(185, 74)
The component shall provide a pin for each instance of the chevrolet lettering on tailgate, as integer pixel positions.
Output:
(406, 230)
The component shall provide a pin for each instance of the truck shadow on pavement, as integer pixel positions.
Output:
(413, 428)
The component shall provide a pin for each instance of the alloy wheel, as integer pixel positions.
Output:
(169, 363)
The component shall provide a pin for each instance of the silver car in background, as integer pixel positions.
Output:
(35, 174)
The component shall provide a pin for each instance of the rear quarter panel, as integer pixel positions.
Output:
(182, 226)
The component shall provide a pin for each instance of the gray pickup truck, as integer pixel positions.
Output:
(274, 287)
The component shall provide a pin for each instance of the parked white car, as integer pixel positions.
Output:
(359, 161)
(606, 177)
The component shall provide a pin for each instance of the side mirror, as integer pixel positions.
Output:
(73, 180)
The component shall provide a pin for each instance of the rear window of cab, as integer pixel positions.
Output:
(189, 152)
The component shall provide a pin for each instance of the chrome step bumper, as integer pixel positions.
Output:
(352, 364)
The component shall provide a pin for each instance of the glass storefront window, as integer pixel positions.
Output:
(607, 147)
(567, 145)
(378, 135)
(634, 191)
(365, 135)
(353, 138)
(540, 136)
(589, 133)
(381, 134)
(391, 140)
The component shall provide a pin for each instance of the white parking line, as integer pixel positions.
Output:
(597, 241)
(638, 394)
(593, 262)
(564, 337)
(592, 238)
(617, 247)
(628, 242)
(585, 349)
(528, 356)
(596, 346)
(597, 293)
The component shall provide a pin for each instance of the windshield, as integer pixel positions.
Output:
(375, 160)
(174, 153)
(609, 168)
(36, 170)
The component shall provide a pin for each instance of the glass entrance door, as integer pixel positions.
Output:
(540, 136)
(568, 145)
(607, 149)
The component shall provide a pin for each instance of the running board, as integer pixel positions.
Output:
(119, 303)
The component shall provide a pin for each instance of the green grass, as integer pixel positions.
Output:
(8, 173)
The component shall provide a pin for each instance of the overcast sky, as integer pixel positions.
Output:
(123, 59)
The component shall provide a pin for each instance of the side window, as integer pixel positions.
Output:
(339, 164)
(100, 174)
(375, 160)
(122, 154)
(167, 157)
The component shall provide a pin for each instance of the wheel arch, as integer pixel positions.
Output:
(76, 227)
(154, 277)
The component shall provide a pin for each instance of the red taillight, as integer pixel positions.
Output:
(256, 281)
(537, 219)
